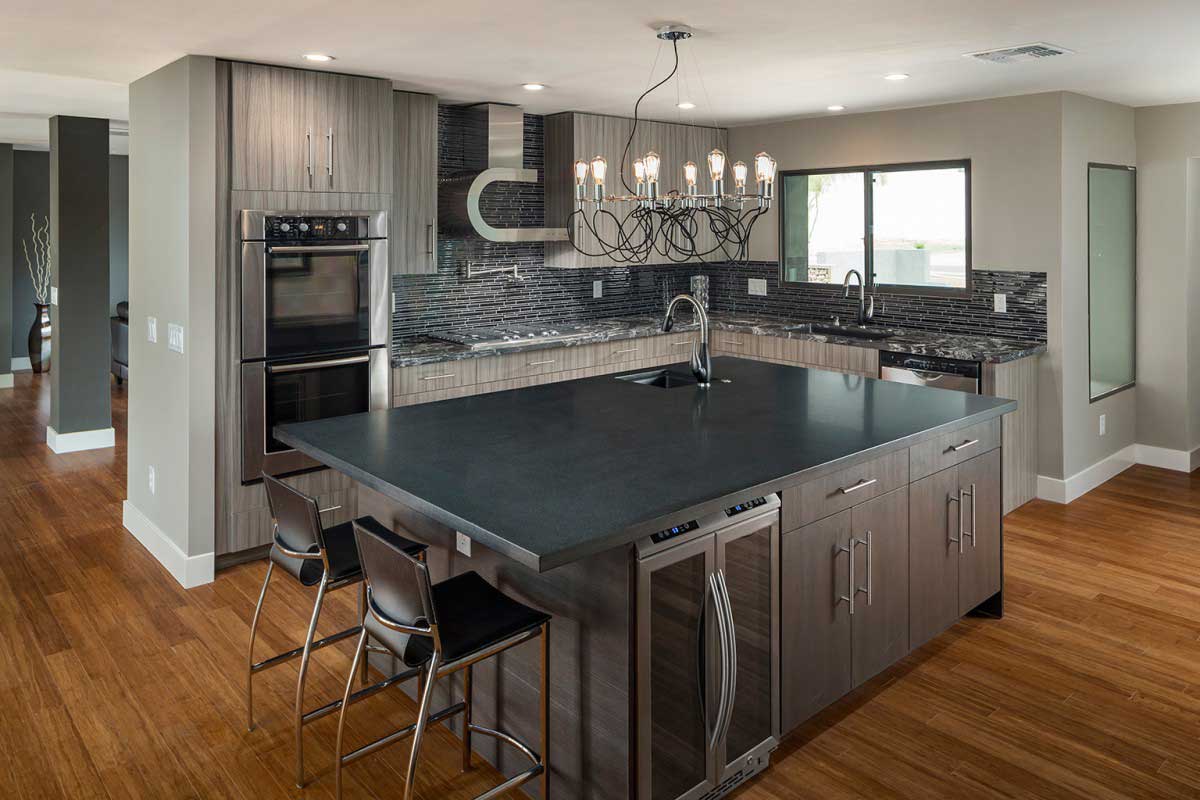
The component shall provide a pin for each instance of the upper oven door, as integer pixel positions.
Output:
(305, 299)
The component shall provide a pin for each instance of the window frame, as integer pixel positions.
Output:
(868, 225)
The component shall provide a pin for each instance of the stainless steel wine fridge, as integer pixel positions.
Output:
(707, 651)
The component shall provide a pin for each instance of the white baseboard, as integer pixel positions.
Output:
(22, 364)
(1064, 491)
(1178, 460)
(6, 380)
(80, 440)
(190, 571)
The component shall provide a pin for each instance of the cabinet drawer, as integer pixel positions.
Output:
(734, 344)
(677, 346)
(954, 448)
(429, 377)
(842, 489)
(625, 351)
(531, 362)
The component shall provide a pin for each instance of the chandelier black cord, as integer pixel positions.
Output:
(633, 130)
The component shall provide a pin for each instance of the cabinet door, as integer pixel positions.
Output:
(355, 134)
(415, 190)
(979, 575)
(815, 621)
(933, 518)
(880, 621)
(273, 125)
(748, 559)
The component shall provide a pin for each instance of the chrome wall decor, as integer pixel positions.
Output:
(651, 220)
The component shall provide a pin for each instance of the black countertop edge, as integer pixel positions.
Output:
(423, 350)
(631, 534)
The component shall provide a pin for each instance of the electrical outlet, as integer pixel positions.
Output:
(597, 288)
(175, 337)
(462, 543)
(151, 329)
(1000, 303)
(53, 295)
(757, 286)
(1103, 424)
(150, 478)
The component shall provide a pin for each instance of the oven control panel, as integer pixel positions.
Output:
(314, 228)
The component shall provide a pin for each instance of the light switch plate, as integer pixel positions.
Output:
(150, 478)
(1000, 303)
(151, 329)
(53, 295)
(597, 288)
(757, 286)
(1103, 424)
(462, 543)
(175, 337)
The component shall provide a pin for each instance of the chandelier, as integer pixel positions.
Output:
(674, 223)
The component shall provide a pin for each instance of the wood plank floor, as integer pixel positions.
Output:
(115, 682)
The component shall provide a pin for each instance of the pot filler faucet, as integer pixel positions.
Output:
(701, 364)
(865, 311)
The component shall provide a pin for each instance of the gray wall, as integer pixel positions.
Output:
(31, 192)
(6, 261)
(172, 276)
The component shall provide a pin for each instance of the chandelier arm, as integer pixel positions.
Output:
(633, 130)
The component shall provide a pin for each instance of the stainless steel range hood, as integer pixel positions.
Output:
(458, 198)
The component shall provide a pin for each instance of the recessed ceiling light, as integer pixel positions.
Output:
(533, 87)
(317, 57)
(836, 108)
(686, 106)
(896, 76)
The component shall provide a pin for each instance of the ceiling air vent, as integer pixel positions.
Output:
(1023, 52)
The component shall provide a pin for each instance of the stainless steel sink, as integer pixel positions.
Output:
(662, 378)
(849, 331)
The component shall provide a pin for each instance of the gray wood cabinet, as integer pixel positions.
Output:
(880, 622)
(415, 181)
(955, 544)
(302, 131)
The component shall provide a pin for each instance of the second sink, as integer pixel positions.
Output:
(662, 378)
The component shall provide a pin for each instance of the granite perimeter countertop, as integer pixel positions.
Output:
(427, 350)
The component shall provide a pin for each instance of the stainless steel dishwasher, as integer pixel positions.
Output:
(935, 371)
(707, 652)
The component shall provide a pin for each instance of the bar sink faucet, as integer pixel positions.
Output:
(701, 364)
(865, 310)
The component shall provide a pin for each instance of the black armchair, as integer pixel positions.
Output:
(120, 342)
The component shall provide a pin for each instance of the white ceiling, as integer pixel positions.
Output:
(762, 60)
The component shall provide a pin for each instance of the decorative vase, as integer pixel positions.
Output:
(39, 339)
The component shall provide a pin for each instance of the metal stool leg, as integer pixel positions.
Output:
(545, 776)
(422, 722)
(262, 596)
(299, 720)
(362, 617)
(360, 653)
(466, 720)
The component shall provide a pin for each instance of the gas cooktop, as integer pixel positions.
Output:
(512, 335)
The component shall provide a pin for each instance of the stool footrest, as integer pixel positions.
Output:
(511, 741)
(283, 658)
(402, 734)
(512, 783)
(361, 694)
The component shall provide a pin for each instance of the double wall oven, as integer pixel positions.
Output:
(314, 318)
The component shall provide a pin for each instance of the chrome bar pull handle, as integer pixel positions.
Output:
(331, 508)
(723, 632)
(965, 532)
(964, 445)
(953, 499)
(329, 153)
(870, 543)
(441, 377)
(429, 239)
(962, 530)
(733, 657)
(309, 150)
(849, 596)
(539, 363)
(862, 484)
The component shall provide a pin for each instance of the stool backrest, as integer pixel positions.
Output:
(297, 517)
(398, 584)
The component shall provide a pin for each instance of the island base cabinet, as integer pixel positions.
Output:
(844, 603)
(955, 541)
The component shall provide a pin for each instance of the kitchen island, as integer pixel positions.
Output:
(560, 488)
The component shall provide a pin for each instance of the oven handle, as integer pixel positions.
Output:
(325, 248)
(333, 362)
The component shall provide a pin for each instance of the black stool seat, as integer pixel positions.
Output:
(342, 551)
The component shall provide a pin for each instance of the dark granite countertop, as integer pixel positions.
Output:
(551, 474)
(425, 350)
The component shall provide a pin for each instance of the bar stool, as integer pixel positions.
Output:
(315, 556)
(436, 630)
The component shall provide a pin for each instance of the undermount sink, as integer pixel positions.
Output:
(662, 378)
(849, 331)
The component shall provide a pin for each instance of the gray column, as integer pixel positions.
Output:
(6, 264)
(80, 411)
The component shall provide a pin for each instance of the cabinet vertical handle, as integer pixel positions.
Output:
(309, 153)
(429, 239)
(329, 153)
(870, 543)
(953, 499)
(731, 661)
(962, 528)
(849, 596)
(964, 531)
(723, 632)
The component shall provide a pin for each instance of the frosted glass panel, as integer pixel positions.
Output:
(1112, 267)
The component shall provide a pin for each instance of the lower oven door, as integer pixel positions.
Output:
(276, 393)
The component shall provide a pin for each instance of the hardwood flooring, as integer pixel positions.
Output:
(115, 682)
